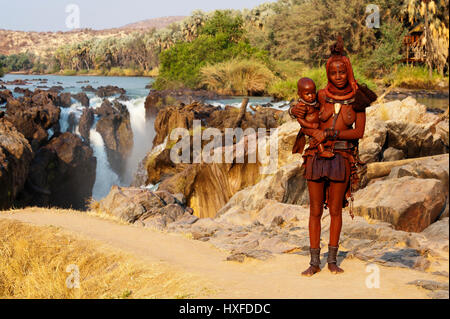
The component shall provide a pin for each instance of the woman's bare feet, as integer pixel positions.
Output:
(335, 269)
(311, 271)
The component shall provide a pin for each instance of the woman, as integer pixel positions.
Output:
(330, 180)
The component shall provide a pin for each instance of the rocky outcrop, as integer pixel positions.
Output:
(64, 100)
(5, 95)
(157, 100)
(62, 174)
(410, 204)
(109, 90)
(86, 122)
(115, 127)
(406, 126)
(34, 116)
(144, 207)
(15, 158)
(82, 98)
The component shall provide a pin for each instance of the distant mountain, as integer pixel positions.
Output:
(44, 43)
(157, 23)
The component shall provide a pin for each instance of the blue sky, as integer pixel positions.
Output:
(50, 15)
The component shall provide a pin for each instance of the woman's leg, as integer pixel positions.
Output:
(315, 213)
(316, 201)
(337, 192)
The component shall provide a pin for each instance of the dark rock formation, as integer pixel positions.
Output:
(64, 100)
(109, 90)
(15, 158)
(34, 116)
(157, 100)
(82, 98)
(115, 127)
(86, 122)
(62, 174)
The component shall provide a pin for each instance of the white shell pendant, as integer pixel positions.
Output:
(337, 108)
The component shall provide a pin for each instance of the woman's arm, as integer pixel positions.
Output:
(358, 131)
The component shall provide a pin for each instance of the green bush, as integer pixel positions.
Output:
(220, 39)
(388, 52)
(1, 72)
(414, 77)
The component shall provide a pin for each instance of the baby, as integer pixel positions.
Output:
(307, 97)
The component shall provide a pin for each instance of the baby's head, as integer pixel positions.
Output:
(306, 90)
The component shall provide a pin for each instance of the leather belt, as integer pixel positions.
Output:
(343, 145)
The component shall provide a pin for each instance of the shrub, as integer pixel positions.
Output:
(218, 42)
(237, 77)
(414, 77)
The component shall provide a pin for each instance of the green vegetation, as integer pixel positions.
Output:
(219, 40)
(416, 77)
(16, 62)
(1, 72)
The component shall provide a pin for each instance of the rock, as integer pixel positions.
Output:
(86, 123)
(371, 145)
(410, 127)
(115, 127)
(109, 90)
(408, 203)
(5, 95)
(393, 154)
(436, 167)
(154, 209)
(429, 284)
(88, 88)
(15, 158)
(72, 121)
(62, 174)
(64, 100)
(82, 98)
(34, 116)
(157, 100)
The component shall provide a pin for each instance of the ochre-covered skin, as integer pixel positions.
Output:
(349, 126)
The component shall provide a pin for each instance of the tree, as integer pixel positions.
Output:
(435, 42)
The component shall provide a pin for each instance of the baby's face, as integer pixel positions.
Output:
(308, 93)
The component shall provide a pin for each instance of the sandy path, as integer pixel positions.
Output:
(276, 278)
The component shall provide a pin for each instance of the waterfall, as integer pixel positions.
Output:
(143, 134)
(105, 177)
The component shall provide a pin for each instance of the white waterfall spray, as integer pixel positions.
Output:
(143, 134)
(105, 176)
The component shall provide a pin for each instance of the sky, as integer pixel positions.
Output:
(50, 15)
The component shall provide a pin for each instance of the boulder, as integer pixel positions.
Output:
(408, 203)
(115, 127)
(153, 209)
(86, 122)
(82, 98)
(392, 154)
(109, 90)
(34, 116)
(157, 100)
(15, 158)
(64, 100)
(62, 174)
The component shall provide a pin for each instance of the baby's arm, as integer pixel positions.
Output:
(306, 124)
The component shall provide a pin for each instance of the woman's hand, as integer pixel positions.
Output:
(319, 136)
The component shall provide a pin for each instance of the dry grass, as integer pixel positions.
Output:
(33, 263)
(237, 77)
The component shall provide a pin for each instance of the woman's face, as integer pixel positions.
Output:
(338, 74)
